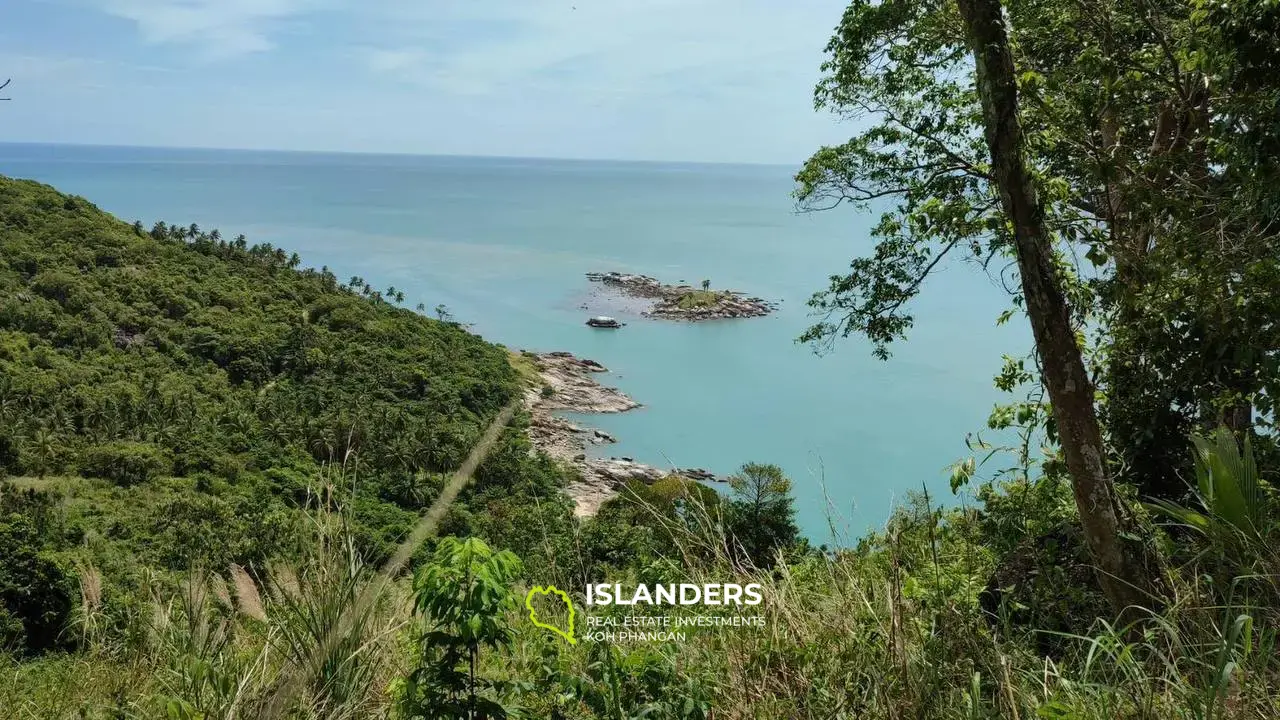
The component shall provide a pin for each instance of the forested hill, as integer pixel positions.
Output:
(208, 385)
(215, 356)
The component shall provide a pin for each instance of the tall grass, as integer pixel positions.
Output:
(879, 632)
(892, 628)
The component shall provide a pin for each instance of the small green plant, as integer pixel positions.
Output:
(636, 683)
(1234, 506)
(463, 596)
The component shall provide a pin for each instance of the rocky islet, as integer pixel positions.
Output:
(684, 302)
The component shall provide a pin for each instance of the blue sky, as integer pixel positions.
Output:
(709, 80)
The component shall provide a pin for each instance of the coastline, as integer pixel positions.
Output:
(567, 384)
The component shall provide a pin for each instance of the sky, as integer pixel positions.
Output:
(695, 80)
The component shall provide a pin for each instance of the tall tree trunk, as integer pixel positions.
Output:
(1121, 571)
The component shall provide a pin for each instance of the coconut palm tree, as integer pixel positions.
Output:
(44, 445)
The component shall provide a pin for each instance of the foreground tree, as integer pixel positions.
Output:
(1151, 133)
(760, 518)
(464, 597)
(1122, 573)
(1146, 209)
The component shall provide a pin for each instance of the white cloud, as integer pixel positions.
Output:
(219, 28)
(476, 47)
(694, 79)
(394, 60)
(608, 46)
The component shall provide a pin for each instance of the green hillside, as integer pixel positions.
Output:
(183, 398)
(202, 352)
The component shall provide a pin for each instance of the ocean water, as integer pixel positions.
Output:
(504, 244)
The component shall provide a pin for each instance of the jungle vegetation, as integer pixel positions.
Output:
(213, 449)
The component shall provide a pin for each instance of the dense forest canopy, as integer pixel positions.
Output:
(181, 346)
(191, 394)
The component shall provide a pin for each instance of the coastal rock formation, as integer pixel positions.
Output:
(701, 475)
(684, 302)
(567, 384)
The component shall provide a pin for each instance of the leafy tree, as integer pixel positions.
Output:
(36, 588)
(1152, 151)
(1137, 152)
(44, 451)
(8, 454)
(647, 522)
(463, 594)
(1121, 569)
(125, 463)
(761, 517)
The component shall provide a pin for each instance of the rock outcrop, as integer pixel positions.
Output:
(567, 384)
(684, 302)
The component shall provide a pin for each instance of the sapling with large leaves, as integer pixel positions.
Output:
(463, 596)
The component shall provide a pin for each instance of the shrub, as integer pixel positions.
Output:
(36, 589)
(8, 455)
(125, 463)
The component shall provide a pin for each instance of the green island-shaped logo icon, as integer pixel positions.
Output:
(533, 615)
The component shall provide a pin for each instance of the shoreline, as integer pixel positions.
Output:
(567, 384)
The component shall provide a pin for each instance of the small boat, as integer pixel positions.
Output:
(600, 321)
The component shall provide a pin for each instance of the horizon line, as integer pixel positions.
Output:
(282, 151)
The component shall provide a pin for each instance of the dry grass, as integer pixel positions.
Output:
(248, 600)
(526, 367)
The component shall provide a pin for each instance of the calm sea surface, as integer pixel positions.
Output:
(504, 244)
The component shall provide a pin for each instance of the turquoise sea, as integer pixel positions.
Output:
(504, 243)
